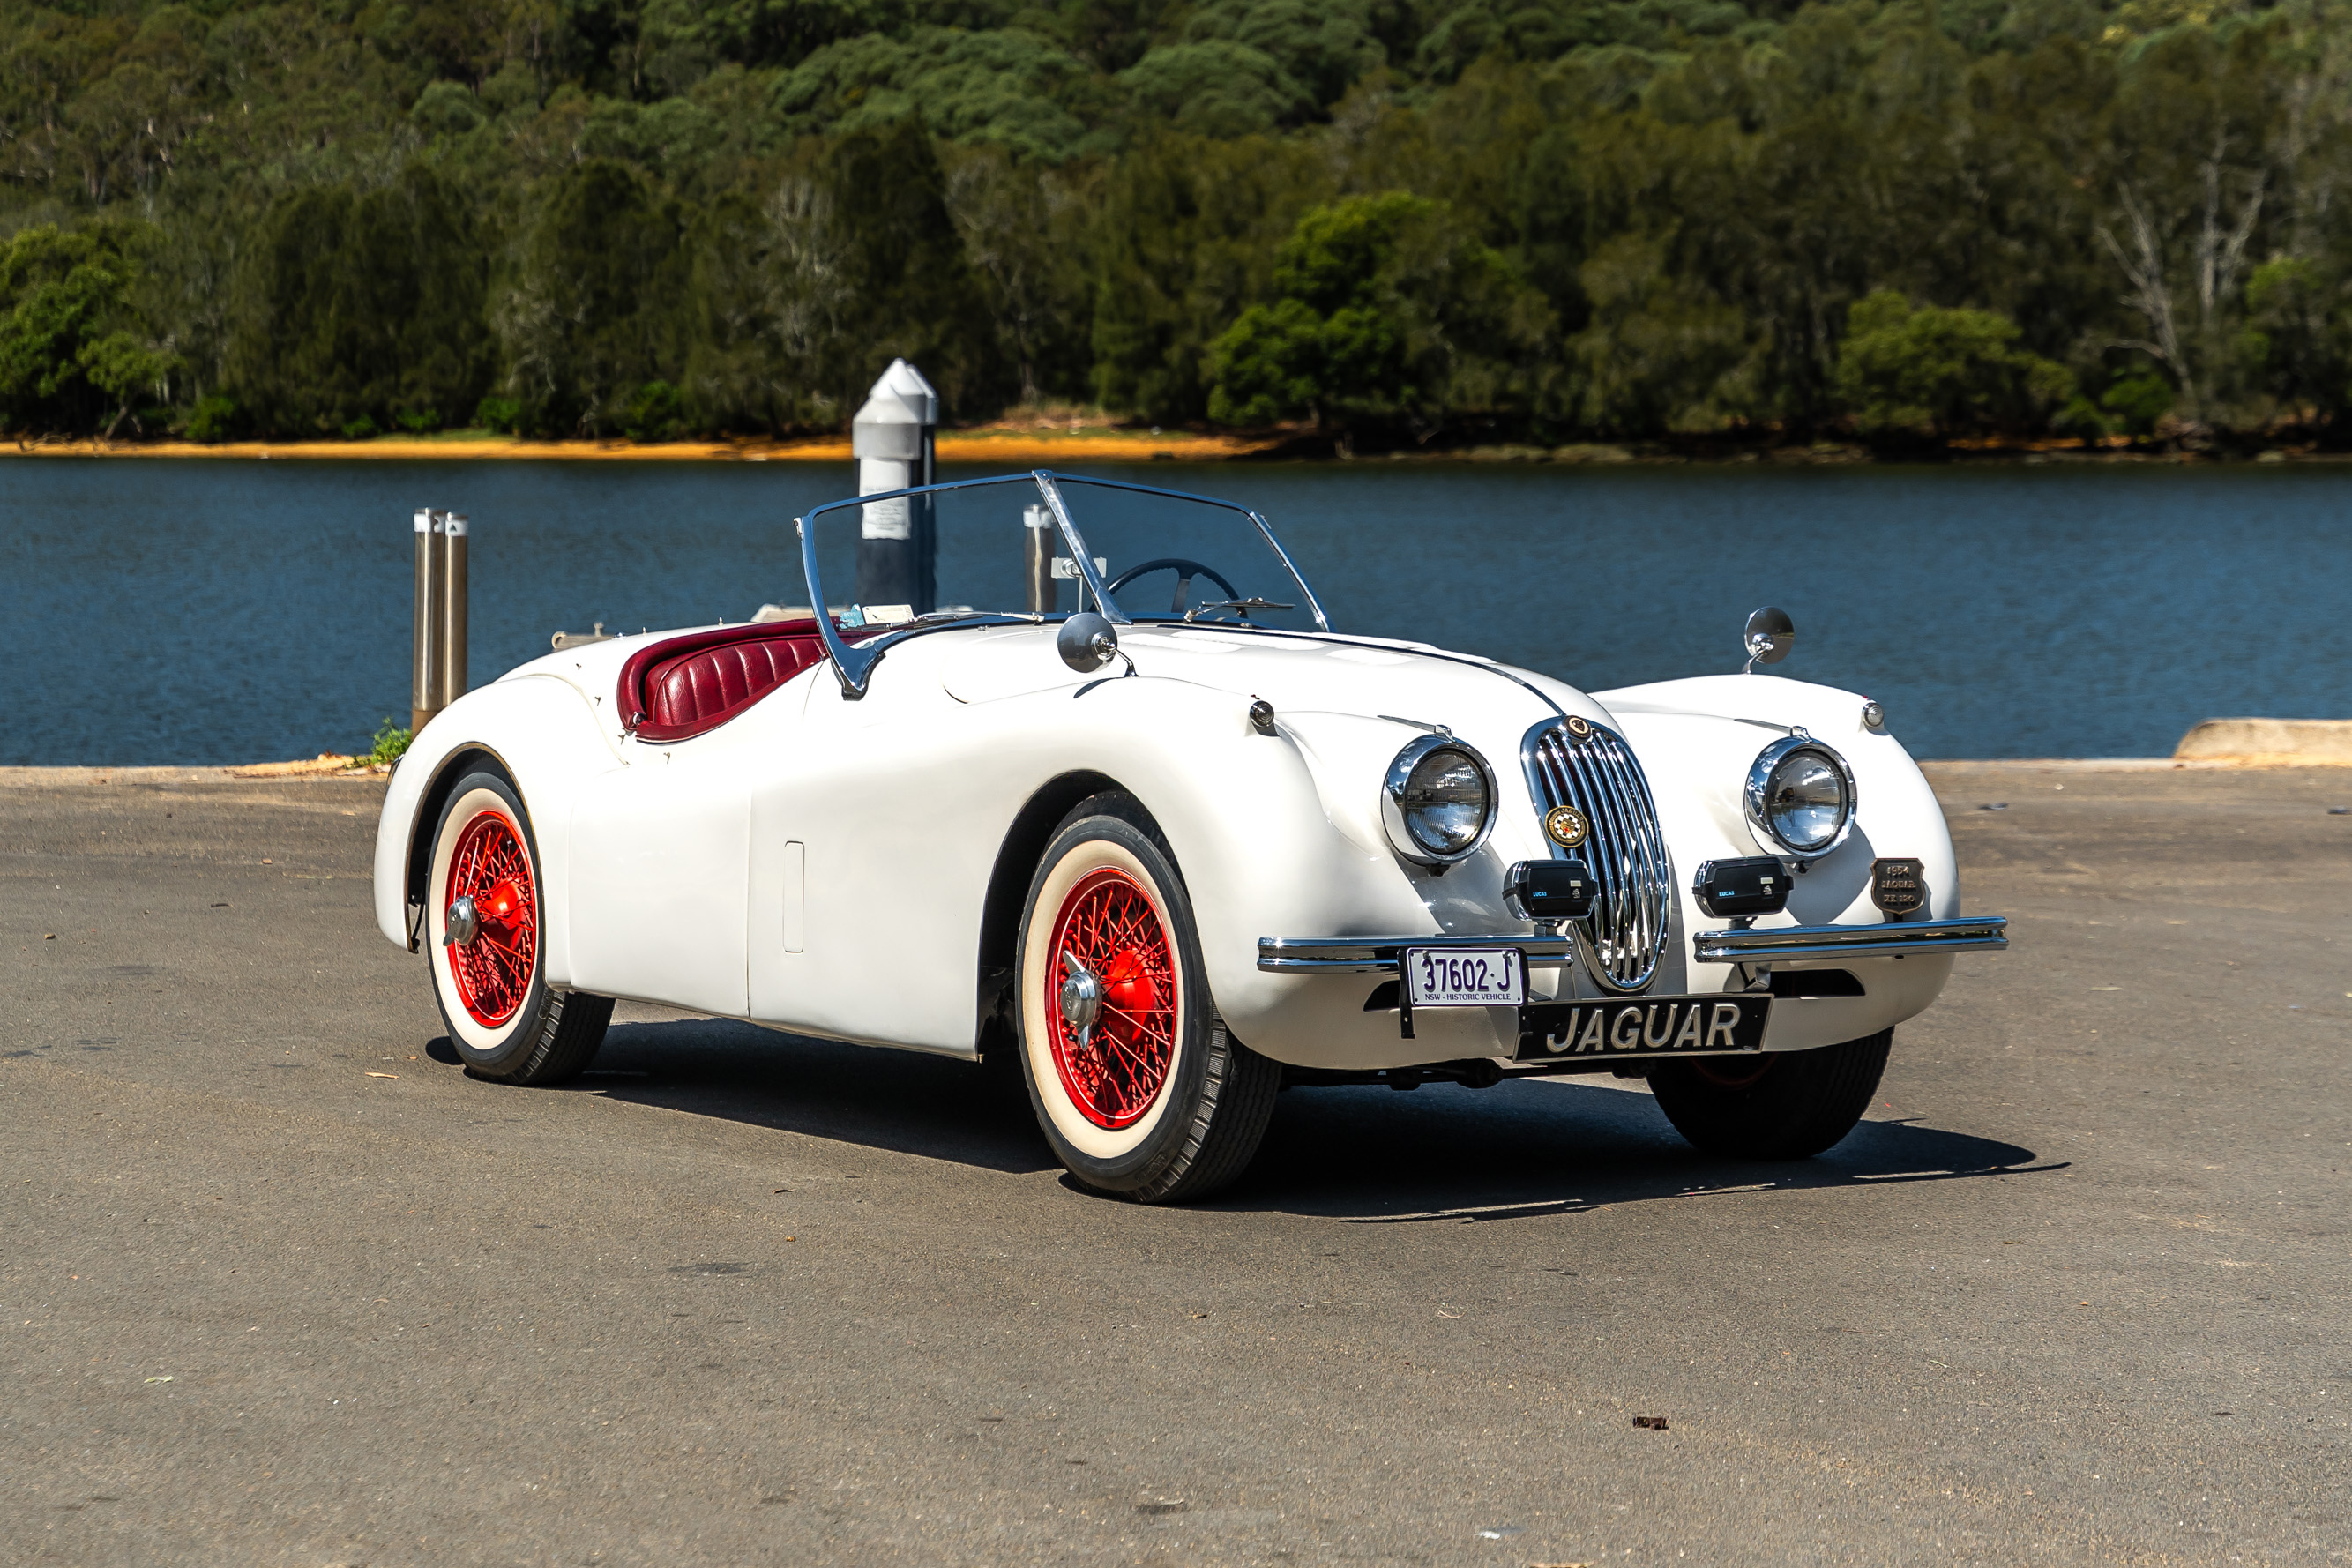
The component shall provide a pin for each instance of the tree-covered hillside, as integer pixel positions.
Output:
(1398, 221)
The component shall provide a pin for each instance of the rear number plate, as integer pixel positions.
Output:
(1465, 977)
(1643, 1026)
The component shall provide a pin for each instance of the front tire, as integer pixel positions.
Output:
(1141, 1091)
(492, 989)
(1793, 1105)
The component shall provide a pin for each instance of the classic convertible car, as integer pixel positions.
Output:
(1154, 832)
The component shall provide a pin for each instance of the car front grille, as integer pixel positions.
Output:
(1599, 776)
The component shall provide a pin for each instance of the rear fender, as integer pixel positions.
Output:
(544, 734)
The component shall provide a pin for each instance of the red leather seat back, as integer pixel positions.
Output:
(696, 690)
(680, 688)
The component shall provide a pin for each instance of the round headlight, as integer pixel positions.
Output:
(1440, 801)
(1801, 797)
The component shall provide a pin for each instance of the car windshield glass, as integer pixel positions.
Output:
(999, 547)
(1165, 557)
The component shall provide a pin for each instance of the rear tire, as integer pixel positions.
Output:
(495, 1002)
(1790, 1105)
(1153, 1101)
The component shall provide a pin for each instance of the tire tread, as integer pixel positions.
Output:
(571, 1031)
(1237, 1103)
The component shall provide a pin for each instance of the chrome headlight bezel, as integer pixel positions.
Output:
(1757, 797)
(1393, 801)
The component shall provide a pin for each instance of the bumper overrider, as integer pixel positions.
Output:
(1566, 1036)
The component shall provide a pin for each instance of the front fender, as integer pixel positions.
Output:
(1698, 739)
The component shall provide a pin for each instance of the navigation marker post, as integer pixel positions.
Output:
(895, 439)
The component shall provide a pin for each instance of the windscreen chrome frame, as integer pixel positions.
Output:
(854, 666)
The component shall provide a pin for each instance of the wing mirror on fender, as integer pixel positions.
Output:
(1770, 635)
(1086, 642)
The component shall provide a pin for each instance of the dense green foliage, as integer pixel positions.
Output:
(1390, 221)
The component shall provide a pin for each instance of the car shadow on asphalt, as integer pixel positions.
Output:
(1521, 1150)
(1540, 1147)
(936, 1107)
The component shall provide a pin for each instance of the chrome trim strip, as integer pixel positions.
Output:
(1788, 943)
(1083, 558)
(1382, 954)
(1322, 621)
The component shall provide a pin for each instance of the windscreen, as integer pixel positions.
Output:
(1167, 556)
(997, 547)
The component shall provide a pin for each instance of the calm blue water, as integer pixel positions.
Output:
(220, 611)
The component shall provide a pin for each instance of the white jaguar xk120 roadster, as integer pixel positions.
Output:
(1131, 814)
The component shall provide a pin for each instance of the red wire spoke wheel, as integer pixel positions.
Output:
(1138, 1087)
(482, 940)
(493, 971)
(1114, 1070)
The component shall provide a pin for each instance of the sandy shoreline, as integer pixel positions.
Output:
(1040, 445)
(1013, 447)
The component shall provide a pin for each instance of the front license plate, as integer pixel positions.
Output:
(1643, 1026)
(1464, 976)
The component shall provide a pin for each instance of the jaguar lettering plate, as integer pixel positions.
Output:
(1643, 1026)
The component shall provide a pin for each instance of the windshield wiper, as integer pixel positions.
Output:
(1244, 606)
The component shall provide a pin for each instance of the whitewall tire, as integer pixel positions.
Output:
(1137, 1084)
(484, 941)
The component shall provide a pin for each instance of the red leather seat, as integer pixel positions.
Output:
(682, 687)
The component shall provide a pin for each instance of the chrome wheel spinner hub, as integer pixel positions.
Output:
(1082, 993)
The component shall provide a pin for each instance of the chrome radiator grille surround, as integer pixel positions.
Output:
(1597, 773)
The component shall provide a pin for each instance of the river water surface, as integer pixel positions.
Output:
(225, 611)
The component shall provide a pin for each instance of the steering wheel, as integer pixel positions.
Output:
(1185, 570)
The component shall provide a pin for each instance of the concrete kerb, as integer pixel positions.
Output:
(2269, 742)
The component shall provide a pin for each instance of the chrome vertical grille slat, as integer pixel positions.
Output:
(1649, 846)
(1625, 934)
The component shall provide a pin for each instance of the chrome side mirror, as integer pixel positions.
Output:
(1770, 635)
(1086, 642)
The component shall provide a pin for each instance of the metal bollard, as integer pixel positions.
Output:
(424, 669)
(437, 665)
(1038, 566)
(453, 684)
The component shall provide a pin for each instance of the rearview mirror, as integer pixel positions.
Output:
(1086, 642)
(1770, 635)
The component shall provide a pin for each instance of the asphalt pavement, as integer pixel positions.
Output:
(280, 1284)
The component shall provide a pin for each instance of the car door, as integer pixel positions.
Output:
(873, 829)
(659, 855)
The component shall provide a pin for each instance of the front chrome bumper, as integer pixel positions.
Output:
(1773, 945)
(1787, 944)
(1380, 954)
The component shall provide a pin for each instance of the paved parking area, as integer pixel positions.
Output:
(279, 1284)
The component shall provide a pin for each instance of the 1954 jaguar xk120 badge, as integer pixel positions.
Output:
(1184, 844)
